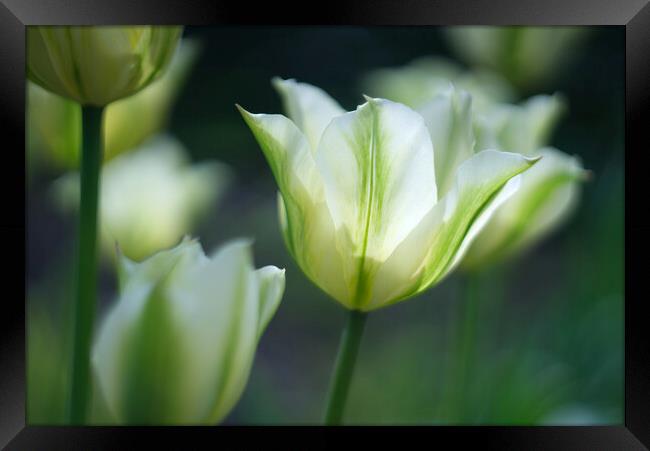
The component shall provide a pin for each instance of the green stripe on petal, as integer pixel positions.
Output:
(304, 216)
(287, 152)
(547, 195)
(378, 172)
(229, 272)
(436, 245)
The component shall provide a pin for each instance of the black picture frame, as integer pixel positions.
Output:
(633, 15)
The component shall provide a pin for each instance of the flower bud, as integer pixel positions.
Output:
(96, 65)
(178, 345)
(54, 122)
(527, 56)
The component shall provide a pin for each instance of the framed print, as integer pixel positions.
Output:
(377, 218)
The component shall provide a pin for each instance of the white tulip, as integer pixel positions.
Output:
(361, 206)
(178, 345)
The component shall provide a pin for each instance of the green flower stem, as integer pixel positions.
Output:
(83, 313)
(462, 336)
(347, 356)
(466, 341)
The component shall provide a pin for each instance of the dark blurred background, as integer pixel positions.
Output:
(547, 345)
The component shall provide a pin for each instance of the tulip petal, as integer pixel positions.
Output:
(289, 157)
(317, 251)
(97, 65)
(414, 83)
(448, 116)
(51, 61)
(304, 216)
(149, 107)
(520, 128)
(540, 116)
(137, 340)
(149, 197)
(547, 195)
(378, 171)
(179, 345)
(224, 332)
(309, 107)
(168, 353)
(271, 282)
(438, 242)
(426, 77)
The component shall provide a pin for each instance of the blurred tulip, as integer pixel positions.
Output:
(549, 190)
(360, 206)
(96, 65)
(415, 83)
(521, 128)
(149, 108)
(54, 122)
(548, 194)
(178, 346)
(151, 197)
(527, 56)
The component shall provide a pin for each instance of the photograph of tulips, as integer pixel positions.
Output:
(324, 225)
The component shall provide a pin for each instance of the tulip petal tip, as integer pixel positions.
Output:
(372, 100)
(245, 113)
(533, 160)
(279, 82)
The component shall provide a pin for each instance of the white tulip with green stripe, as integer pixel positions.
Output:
(54, 122)
(96, 65)
(178, 346)
(549, 191)
(523, 128)
(415, 83)
(150, 197)
(364, 209)
(529, 57)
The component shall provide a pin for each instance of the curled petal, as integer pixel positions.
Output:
(547, 196)
(271, 285)
(438, 242)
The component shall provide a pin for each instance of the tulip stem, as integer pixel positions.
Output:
(465, 352)
(83, 312)
(344, 368)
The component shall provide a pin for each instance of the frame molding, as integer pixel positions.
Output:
(634, 15)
